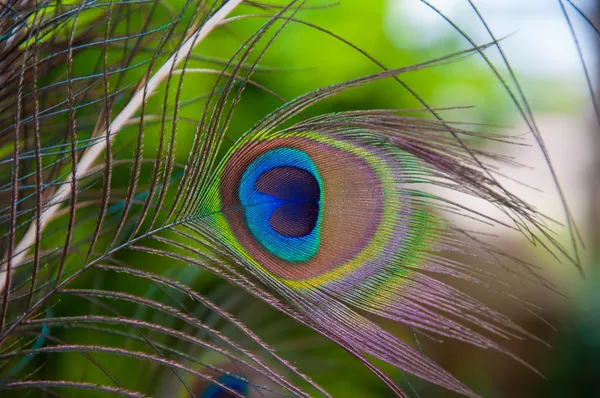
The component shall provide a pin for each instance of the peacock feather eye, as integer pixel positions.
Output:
(312, 209)
(280, 192)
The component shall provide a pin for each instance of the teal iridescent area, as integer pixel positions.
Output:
(236, 384)
(281, 193)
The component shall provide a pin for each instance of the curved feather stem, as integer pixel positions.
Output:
(43, 384)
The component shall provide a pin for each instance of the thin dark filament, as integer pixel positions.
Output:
(38, 171)
(531, 122)
(138, 152)
(171, 149)
(198, 178)
(73, 140)
(14, 200)
(89, 296)
(204, 301)
(203, 140)
(86, 356)
(107, 177)
(580, 51)
(158, 164)
(43, 384)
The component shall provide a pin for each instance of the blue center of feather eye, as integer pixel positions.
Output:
(299, 193)
(281, 194)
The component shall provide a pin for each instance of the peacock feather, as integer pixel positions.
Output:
(171, 226)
